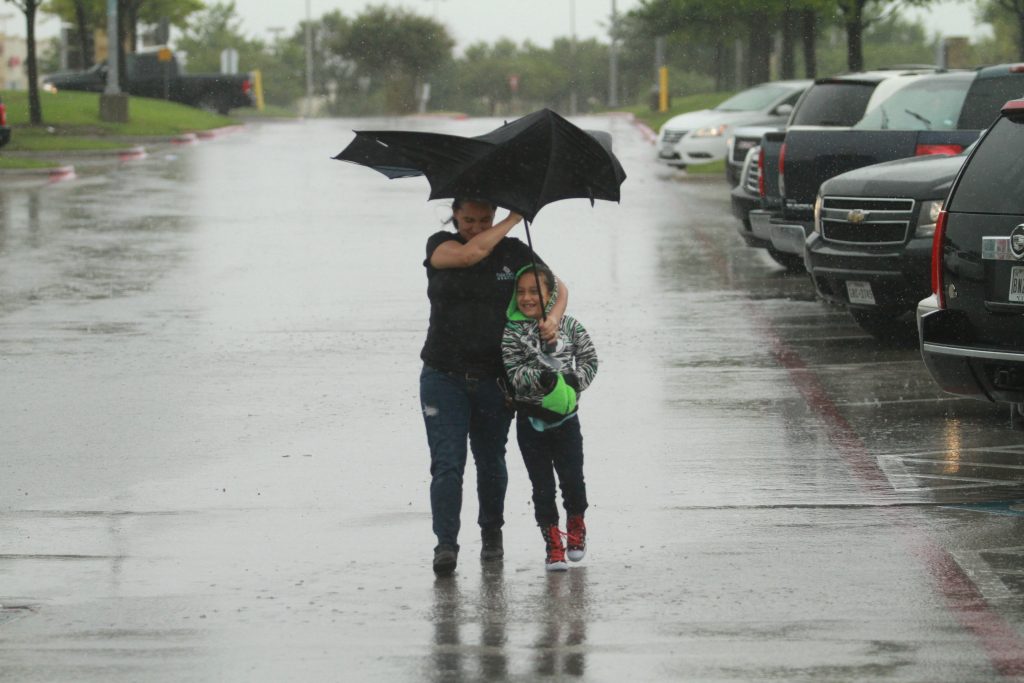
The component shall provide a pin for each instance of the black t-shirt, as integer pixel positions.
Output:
(468, 307)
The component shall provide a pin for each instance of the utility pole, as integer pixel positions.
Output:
(309, 62)
(573, 96)
(613, 60)
(113, 102)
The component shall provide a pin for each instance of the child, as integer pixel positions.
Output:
(546, 381)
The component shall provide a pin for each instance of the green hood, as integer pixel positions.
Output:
(514, 313)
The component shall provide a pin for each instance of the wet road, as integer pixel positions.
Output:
(213, 466)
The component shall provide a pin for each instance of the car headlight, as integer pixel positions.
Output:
(713, 132)
(817, 215)
(50, 88)
(927, 218)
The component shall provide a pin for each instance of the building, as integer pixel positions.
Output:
(13, 54)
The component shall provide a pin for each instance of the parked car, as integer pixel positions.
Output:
(972, 326)
(5, 130)
(699, 137)
(871, 244)
(828, 102)
(156, 73)
(743, 139)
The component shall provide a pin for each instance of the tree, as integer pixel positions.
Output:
(29, 8)
(397, 48)
(1015, 10)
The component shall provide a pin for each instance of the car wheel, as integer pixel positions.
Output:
(793, 263)
(897, 328)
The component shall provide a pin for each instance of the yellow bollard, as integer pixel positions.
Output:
(663, 89)
(257, 88)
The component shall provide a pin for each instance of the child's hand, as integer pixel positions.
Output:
(549, 329)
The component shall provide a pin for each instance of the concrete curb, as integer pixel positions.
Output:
(50, 175)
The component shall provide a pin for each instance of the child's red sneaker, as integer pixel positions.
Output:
(576, 538)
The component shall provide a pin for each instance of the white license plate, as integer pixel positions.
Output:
(1017, 284)
(860, 292)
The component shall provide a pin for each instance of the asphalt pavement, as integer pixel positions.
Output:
(213, 465)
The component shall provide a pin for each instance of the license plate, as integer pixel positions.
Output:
(860, 292)
(1017, 284)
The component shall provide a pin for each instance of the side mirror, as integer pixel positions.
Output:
(784, 109)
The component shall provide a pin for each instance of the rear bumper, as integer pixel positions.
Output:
(899, 276)
(743, 202)
(959, 365)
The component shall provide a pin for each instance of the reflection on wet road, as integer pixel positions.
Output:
(214, 467)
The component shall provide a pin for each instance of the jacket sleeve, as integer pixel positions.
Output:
(518, 358)
(585, 354)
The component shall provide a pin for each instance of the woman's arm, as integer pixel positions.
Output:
(454, 254)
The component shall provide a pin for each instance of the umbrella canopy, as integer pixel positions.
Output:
(521, 166)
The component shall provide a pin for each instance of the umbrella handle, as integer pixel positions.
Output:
(546, 347)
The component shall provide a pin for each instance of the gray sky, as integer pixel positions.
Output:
(473, 20)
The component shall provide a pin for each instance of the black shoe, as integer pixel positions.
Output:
(492, 547)
(445, 557)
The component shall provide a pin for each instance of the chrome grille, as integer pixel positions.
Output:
(751, 179)
(673, 136)
(862, 220)
(741, 146)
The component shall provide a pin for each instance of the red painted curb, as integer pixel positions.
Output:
(185, 139)
(62, 173)
(218, 132)
(132, 154)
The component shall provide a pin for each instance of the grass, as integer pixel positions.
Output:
(71, 122)
(7, 163)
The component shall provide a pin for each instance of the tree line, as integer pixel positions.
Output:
(394, 60)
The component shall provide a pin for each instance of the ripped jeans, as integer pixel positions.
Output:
(457, 407)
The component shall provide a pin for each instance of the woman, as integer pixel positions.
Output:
(470, 276)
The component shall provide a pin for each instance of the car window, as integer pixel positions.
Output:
(754, 99)
(993, 181)
(987, 97)
(832, 104)
(927, 104)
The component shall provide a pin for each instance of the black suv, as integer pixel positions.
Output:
(972, 327)
(5, 131)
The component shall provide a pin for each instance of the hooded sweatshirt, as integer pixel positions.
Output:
(526, 359)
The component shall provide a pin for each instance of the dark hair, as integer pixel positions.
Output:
(458, 202)
(543, 271)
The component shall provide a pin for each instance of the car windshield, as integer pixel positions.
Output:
(754, 99)
(926, 104)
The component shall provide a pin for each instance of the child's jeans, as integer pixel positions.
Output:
(558, 450)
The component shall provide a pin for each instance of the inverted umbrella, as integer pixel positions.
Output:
(521, 166)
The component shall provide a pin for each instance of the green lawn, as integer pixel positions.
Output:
(71, 122)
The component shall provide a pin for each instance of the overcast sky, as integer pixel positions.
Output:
(473, 20)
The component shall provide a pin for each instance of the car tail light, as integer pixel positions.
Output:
(3, 114)
(923, 150)
(760, 174)
(1017, 69)
(782, 170)
(246, 86)
(940, 234)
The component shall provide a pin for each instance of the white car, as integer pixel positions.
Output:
(699, 137)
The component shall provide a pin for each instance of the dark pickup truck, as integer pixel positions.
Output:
(829, 102)
(928, 116)
(158, 74)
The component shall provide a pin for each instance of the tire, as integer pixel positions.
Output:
(793, 263)
(895, 328)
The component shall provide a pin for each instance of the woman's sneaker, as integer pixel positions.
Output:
(555, 560)
(576, 538)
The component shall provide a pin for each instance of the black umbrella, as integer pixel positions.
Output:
(521, 166)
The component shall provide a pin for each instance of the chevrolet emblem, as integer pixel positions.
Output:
(856, 216)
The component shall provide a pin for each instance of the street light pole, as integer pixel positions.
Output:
(113, 87)
(573, 103)
(613, 60)
(309, 62)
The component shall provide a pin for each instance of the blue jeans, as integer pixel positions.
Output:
(456, 407)
(545, 454)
